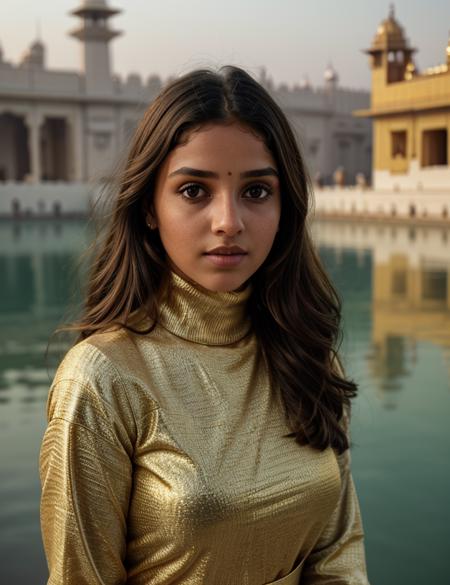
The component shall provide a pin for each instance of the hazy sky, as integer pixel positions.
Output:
(291, 38)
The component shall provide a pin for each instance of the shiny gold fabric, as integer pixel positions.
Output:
(164, 462)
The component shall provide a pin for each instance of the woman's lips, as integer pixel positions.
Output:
(226, 257)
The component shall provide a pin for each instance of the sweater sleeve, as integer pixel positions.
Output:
(86, 472)
(338, 557)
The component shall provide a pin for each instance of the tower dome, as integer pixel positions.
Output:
(95, 9)
(390, 34)
(37, 48)
(35, 55)
(391, 52)
(330, 76)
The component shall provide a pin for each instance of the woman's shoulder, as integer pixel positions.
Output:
(98, 379)
(116, 353)
(93, 358)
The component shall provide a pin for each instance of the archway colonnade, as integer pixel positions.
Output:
(36, 146)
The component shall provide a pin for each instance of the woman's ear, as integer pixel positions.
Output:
(151, 221)
(150, 218)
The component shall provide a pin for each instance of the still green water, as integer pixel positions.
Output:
(395, 286)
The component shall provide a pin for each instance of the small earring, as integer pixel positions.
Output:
(151, 225)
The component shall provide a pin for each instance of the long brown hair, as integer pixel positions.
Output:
(294, 308)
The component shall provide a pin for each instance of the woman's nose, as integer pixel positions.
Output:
(227, 216)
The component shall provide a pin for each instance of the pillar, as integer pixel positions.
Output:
(34, 122)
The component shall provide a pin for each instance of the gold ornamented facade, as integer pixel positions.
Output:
(411, 114)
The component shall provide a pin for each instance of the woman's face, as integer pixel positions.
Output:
(217, 205)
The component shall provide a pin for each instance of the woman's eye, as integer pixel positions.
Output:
(258, 192)
(193, 191)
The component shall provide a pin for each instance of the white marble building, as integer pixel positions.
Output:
(330, 136)
(68, 126)
(62, 132)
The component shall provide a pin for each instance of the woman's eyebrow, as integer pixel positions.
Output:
(267, 171)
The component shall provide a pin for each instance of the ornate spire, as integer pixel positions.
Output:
(94, 32)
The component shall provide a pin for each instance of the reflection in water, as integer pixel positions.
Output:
(411, 303)
(37, 263)
(37, 267)
(17, 290)
(34, 283)
(410, 299)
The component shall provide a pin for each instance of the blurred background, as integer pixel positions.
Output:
(366, 86)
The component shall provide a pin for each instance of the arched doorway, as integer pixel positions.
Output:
(14, 152)
(54, 159)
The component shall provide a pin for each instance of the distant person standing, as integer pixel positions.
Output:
(198, 430)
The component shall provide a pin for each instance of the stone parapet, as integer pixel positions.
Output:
(385, 205)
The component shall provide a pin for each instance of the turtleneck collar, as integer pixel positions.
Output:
(210, 318)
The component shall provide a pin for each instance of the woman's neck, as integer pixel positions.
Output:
(211, 318)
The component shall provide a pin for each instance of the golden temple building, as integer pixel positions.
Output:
(410, 112)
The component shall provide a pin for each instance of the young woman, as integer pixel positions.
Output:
(198, 431)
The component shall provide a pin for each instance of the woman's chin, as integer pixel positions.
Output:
(223, 283)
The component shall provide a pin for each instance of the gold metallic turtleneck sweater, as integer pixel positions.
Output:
(164, 462)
